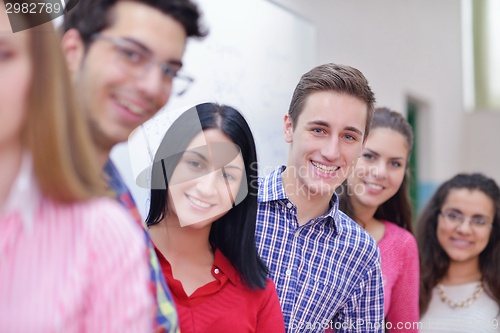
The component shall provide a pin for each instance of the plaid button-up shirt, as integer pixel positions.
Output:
(327, 272)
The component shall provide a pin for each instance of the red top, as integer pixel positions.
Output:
(226, 304)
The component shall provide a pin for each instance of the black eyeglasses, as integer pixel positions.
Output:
(137, 62)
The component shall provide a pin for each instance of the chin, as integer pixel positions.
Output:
(461, 257)
(194, 225)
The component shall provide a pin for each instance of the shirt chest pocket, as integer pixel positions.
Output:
(325, 292)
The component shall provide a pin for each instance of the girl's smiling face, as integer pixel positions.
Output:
(206, 180)
(465, 241)
(380, 169)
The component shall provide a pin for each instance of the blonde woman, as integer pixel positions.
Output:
(70, 261)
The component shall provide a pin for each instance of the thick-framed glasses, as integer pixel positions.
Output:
(457, 219)
(137, 61)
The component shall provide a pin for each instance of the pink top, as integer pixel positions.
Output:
(401, 274)
(70, 268)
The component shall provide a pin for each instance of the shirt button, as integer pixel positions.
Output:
(216, 271)
(297, 233)
(288, 272)
(289, 205)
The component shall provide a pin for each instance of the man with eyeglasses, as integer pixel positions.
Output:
(125, 58)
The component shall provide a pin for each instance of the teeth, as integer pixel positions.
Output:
(324, 168)
(461, 242)
(375, 187)
(133, 108)
(199, 203)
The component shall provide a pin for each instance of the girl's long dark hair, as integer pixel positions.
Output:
(434, 262)
(234, 233)
(396, 209)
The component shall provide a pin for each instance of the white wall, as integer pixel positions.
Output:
(480, 143)
(404, 48)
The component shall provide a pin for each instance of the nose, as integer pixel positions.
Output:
(206, 185)
(151, 85)
(331, 149)
(465, 227)
(379, 171)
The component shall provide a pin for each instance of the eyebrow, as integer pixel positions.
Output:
(148, 50)
(376, 154)
(318, 122)
(325, 124)
(353, 129)
(460, 212)
(232, 167)
(200, 155)
(371, 151)
(205, 159)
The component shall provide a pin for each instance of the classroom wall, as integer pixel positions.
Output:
(480, 140)
(406, 49)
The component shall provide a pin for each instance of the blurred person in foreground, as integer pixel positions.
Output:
(71, 259)
(126, 60)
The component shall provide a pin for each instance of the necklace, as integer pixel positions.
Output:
(465, 303)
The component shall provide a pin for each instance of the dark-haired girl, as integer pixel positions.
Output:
(458, 235)
(202, 222)
(375, 195)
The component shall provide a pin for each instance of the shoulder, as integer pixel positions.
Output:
(352, 233)
(105, 217)
(264, 296)
(355, 240)
(398, 236)
(103, 208)
(271, 186)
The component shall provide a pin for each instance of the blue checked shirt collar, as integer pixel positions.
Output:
(271, 189)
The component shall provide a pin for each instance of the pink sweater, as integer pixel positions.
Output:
(400, 270)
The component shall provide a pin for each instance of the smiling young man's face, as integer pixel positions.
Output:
(326, 142)
(115, 101)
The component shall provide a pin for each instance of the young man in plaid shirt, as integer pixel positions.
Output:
(325, 266)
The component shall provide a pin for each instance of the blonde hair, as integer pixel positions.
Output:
(55, 132)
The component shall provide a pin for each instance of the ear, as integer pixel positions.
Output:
(288, 129)
(73, 48)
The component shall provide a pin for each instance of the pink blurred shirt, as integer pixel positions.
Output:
(401, 276)
(70, 268)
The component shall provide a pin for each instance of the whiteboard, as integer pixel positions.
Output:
(252, 60)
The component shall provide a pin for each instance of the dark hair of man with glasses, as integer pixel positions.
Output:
(458, 235)
(125, 58)
(92, 16)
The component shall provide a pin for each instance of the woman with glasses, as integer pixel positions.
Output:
(458, 235)
(202, 222)
(375, 195)
(70, 259)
